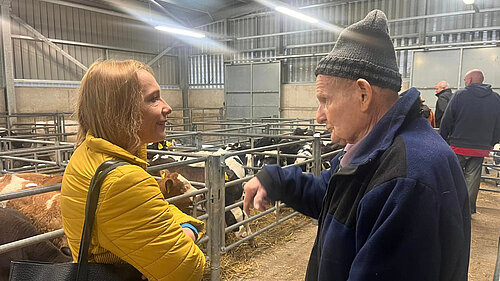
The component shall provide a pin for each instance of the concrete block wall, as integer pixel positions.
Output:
(45, 100)
(298, 100)
(174, 99)
(206, 98)
(50, 100)
(2, 100)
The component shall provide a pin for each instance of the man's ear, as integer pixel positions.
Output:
(365, 91)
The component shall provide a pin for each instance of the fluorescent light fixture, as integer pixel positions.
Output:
(180, 31)
(469, 2)
(292, 13)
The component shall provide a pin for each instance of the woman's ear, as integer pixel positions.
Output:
(365, 91)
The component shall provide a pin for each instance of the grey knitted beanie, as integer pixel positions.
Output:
(364, 50)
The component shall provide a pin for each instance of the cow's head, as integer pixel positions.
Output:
(170, 185)
(173, 184)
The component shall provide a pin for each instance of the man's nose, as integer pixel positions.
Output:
(320, 115)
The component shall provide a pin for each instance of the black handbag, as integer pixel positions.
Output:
(81, 270)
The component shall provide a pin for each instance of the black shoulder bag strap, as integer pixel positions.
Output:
(90, 209)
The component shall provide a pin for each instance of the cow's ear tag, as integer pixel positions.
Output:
(169, 144)
(160, 146)
(168, 185)
(163, 175)
(226, 177)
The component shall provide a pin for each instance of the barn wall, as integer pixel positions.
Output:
(45, 100)
(206, 98)
(412, 25)
(298, 100)
(49, 100)
(174, 99)
(87, 36)
(2, 100)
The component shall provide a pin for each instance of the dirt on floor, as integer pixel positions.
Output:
(282, 253)
(288, 261)
(485, 234)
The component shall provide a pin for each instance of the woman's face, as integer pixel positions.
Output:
(154, 109)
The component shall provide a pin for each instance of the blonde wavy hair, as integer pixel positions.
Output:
(109, 103)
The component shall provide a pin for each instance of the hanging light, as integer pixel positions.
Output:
(180, 31)
(295, 14)
(468, 2)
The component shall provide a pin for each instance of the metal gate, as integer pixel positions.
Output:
(252, 90)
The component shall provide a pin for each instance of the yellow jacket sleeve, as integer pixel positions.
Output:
(134, 222)
(181, 218)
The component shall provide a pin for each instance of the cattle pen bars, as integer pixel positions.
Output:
(214, 186)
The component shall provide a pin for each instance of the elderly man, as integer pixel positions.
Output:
(443, 94)
(388, 209)
(471, 125)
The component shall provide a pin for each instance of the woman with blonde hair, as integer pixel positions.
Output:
(120, 110)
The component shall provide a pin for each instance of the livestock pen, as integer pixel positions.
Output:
(41, 126)
(213, 187)
(212, 208)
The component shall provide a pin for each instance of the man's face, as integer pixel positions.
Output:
(339, 109)
(438, 88)
(467, 80)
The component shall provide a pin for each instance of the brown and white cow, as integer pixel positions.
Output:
(20, 227)
(173, 184)
(44, 209)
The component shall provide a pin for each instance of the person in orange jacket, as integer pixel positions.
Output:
(427, 113)
(119, 111)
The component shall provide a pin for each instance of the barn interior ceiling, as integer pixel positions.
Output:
(190, 13)
(238, 31)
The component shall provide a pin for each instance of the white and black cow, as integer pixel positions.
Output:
(494, 160)
(14, 144)
(304, 150)
(162, 145)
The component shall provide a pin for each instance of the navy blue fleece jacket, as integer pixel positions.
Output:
(399, 211)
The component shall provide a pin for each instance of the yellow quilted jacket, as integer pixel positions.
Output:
(133, 221)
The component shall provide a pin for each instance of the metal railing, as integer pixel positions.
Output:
(39, 156)
(494, 169)
(48, 126)
(213, 188)
(496, 276)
